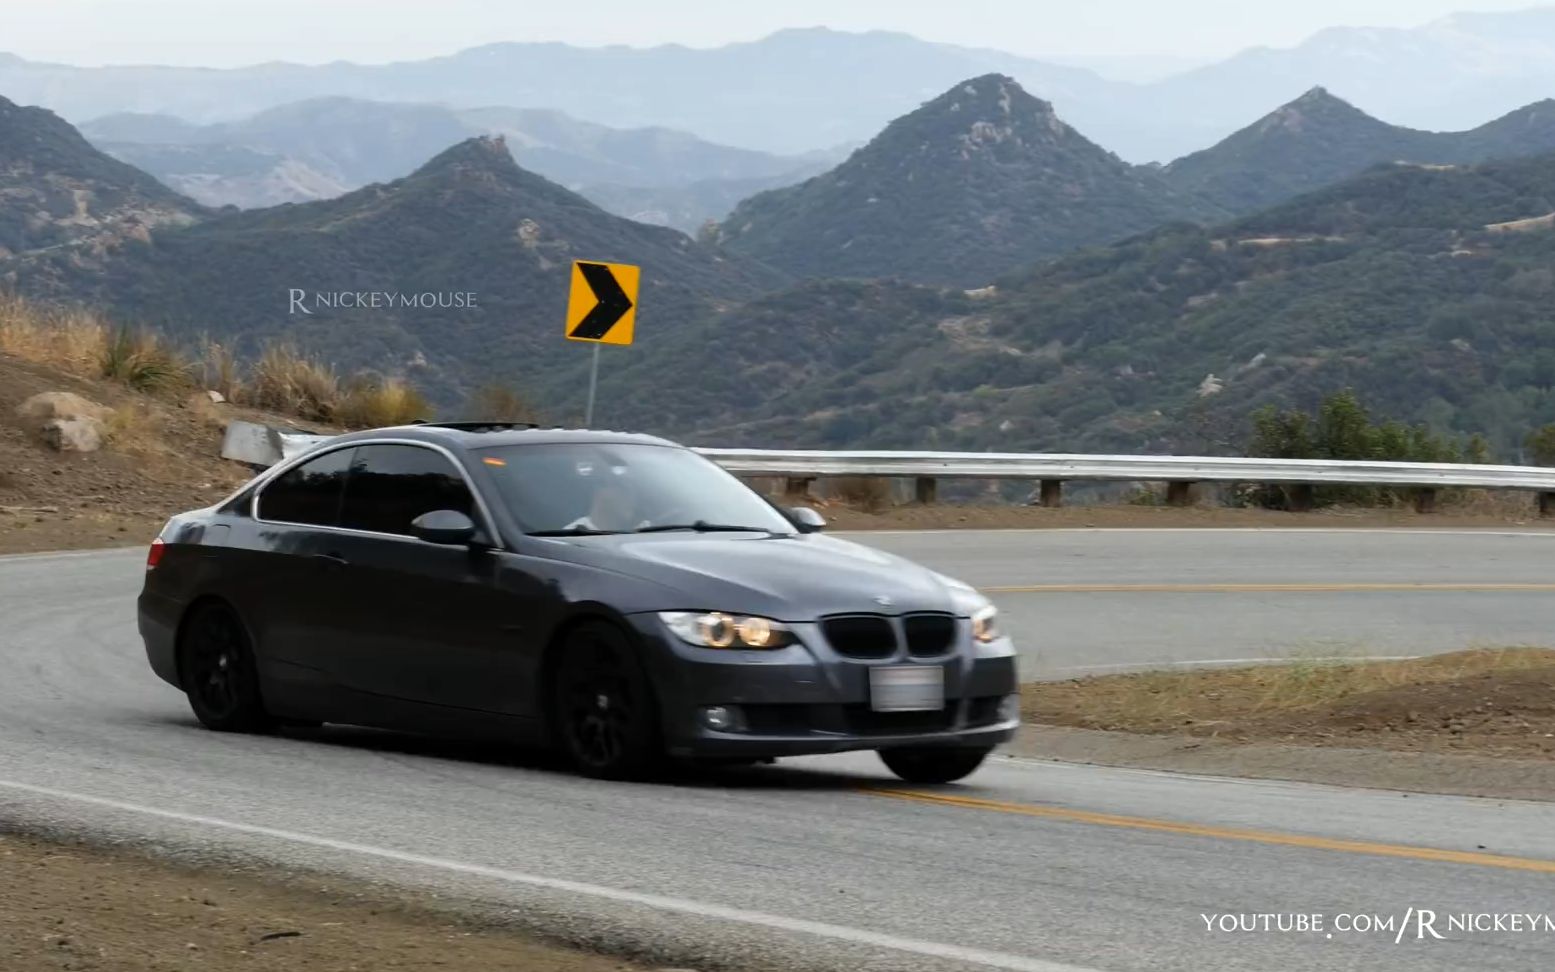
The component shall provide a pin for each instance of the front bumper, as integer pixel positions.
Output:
(807, 699)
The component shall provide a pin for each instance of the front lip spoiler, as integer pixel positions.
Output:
(711, 743)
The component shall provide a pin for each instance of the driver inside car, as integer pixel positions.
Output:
(613, 507)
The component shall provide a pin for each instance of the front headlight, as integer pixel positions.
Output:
(715, 629)
(985, 624)
(970, 602)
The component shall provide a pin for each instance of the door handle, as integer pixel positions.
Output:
(332, 559)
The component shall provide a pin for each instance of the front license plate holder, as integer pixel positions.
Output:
(907, 688)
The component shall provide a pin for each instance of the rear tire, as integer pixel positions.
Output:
(934, 764)
(216, 668)
(605, 716)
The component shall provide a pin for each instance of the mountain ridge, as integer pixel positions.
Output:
(469, 221)
(1447, 75)
(311, 149)
(1319, 139)
(982, 178)
(59, 190)
(668, 85)
(1425, 287)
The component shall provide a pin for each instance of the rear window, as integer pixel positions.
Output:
(308, 494)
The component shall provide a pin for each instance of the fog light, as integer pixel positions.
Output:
(1009, 708)
(720, 718)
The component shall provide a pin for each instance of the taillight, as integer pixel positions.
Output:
(154, 554)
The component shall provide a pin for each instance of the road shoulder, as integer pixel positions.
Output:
(89, 908)
(1459, 775)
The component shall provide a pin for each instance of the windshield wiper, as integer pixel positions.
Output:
(574, 532)
(702, 526)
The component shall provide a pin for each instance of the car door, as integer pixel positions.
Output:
(285, 584)
(417, 621)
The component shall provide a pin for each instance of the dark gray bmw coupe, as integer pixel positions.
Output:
(617, 596)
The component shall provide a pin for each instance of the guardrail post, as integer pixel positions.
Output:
(925, 490)
(1425, 500)
(1179, 494)
(1547, 504)
(1299, 498)
(797, 485)
(1052, 493)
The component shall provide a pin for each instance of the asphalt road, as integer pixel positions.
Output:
(1100, 600)
(826, 863)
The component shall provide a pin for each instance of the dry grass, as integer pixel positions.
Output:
(499, 403)
(220, 371)
(82, 342)
(288, 381)
(374, 402)
(1163, 701)
(1503, 503)
(69, 339)
(868, 493)
(135, 430)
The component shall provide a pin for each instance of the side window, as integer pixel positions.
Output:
(390, 485)
(309, 493)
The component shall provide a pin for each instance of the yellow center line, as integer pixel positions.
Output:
(1224, 833)
(1254, 588)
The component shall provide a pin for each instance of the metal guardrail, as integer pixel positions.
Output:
(263, 446)
(1192, 469)
(1179, 472)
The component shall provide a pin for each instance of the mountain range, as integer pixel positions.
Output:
(324, 147)
(1426, 284)
(858, 218)
(1319, 139)
(59, 192)
(1426, 288)
(819, 88)
(978, 181)
(1449, 74)
(468, 222)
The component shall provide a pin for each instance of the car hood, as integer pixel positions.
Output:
(789, 578)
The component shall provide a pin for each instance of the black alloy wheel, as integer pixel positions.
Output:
(606, 718)
(216, 667)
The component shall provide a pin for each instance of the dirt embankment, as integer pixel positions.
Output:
(1476, 722)
(161, 457)
(1488, 701)
(83, 909)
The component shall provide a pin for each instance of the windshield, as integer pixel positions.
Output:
(585, 487)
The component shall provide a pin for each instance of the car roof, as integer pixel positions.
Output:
(483, 435)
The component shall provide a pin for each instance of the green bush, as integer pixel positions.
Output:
(1541, 446)
(1342, 428)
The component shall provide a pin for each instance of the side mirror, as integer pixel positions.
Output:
(806, 519)
(448, 527)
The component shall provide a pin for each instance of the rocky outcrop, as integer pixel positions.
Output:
(65, 421)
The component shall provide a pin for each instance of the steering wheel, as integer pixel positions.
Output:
(673, 514)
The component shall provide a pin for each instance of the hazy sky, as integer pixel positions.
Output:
(229, 32)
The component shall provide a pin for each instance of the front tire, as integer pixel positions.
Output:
(216, 668)
(605, 716)
(934, 764)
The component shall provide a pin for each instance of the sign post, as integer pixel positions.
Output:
(601, 309)
(588, 413)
